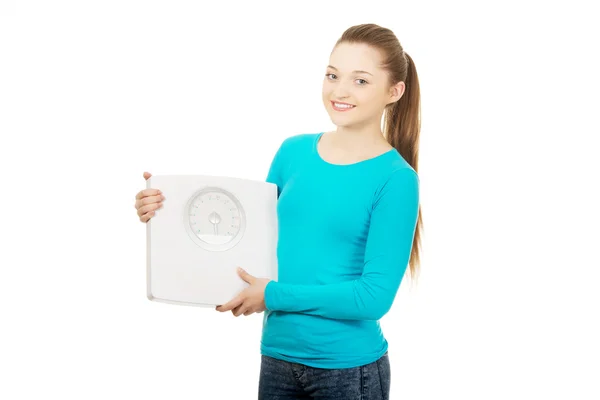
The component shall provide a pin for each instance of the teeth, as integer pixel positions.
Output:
(342, 105)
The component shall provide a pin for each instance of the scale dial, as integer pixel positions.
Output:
(214, 219)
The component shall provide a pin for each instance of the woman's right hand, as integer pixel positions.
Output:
(147, 201)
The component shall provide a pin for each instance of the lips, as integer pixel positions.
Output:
(344, 108)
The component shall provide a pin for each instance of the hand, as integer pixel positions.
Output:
(250, 300)
(148, 201)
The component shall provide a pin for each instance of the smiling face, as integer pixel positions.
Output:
(354, 77)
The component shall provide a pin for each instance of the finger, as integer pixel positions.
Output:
(146, 217)
(245, 276)
(235, 310)
(149, 199)
(147, 175)
(150, 207)
(232, 304)
(238, 310)
(242, 309)
(248, 312)
(147, 192)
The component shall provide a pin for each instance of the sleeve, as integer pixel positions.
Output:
(275, 174)
(389, 243)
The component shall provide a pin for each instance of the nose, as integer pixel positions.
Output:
(340, 92)
(340, 98)
(340, 95)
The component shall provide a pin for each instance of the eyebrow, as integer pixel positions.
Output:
(358, 71)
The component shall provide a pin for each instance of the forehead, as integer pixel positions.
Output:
(348, 57)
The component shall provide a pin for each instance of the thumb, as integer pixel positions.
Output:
(147, 175)
(245, 276)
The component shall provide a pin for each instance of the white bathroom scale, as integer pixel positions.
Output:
(206, 228)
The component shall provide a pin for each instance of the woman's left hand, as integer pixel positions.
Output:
(250, 300)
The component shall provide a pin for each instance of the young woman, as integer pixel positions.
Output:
(349, 226)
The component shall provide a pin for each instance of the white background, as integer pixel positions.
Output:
(92, 94)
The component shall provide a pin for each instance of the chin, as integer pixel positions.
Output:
(341, 124)
(339, 119)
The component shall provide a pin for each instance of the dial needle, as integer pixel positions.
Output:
(215, 219)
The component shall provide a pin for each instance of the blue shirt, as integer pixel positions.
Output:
(345, 234)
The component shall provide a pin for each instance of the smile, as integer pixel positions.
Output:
(342, 106)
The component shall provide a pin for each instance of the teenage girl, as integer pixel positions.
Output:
(349, 226)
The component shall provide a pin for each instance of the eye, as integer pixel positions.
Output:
(362, 84)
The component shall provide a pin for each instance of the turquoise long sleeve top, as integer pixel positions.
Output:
(345, 237)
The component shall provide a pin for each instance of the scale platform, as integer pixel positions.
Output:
(206, 228)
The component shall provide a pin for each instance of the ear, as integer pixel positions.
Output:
(397, 91)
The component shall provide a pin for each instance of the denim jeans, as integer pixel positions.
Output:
(282, 380)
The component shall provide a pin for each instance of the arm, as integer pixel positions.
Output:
(389, 243)
(275, 170)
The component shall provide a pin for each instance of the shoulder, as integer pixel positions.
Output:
(404, 176)
(298, 143)
(397, 172)
(399, 185)
(399, 165)
(290, 147)
(298, 140)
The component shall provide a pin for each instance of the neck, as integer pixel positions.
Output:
(358, 136)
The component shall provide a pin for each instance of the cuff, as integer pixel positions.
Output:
(270, 295)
